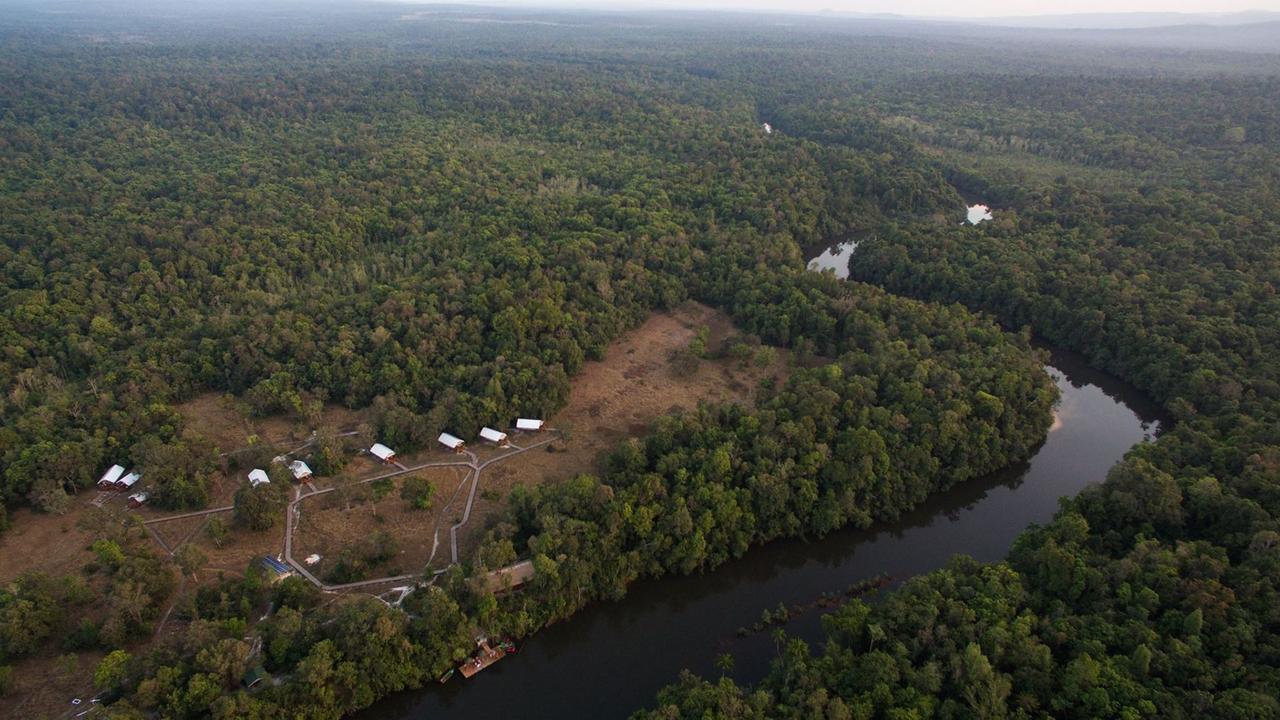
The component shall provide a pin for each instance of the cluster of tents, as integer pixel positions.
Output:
(457, 444)
(115, 478)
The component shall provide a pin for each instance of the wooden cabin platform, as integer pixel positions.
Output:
(487, 656)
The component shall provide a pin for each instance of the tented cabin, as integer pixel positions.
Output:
(301, 472)
(455, 444)
(254, 675)
(110, 477)
(137, 499)
(528, 424)
(383, 453)
(494, 436)
(258, 476)
(128, 481)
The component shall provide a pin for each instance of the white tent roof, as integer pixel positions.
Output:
(257, 476)
(528, 424)
(129, 480)
(300, 469)
(112, 474)
(450, 441)
(382, 452)
(138, 497)
(492, 435)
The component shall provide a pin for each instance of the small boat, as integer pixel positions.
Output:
(445, 677)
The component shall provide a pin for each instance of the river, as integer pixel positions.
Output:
(613, 657)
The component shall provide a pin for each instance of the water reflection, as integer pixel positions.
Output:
(835, 259)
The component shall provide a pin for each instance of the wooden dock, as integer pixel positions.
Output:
(487, 656)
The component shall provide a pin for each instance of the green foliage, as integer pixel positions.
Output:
(190, 558)
(1141, 235)
(296, 592)
(380, 488)
(417, 492)
(446, 237)
(36, 608)
(356, 562)
(231, 599)
(177, 473)
(329, 454)
(109, 553)
(112, 670)
(217, 530)
(259, 508)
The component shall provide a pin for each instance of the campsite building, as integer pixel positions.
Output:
(493, 436)
(110, 477)
(455, 444)
(301, 472)
(137, 499)
(510, 577)
(128, 481)
(258, 476)
(383, 453)
(528, 424)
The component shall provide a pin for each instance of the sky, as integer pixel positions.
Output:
(931, 8)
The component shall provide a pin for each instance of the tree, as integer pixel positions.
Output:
(417, 492)
(190, 558)
(112, 671)
(227, 661)
(259, 508)
(216, 529)
(983, 689)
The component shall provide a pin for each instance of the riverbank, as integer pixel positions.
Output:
(625, 651)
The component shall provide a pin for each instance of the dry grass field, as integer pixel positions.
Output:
(620, 396)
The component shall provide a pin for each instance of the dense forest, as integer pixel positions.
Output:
(442, 221)
(1136, 222)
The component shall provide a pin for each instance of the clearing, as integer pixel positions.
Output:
(620, 396)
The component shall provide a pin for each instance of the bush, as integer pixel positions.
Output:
(417, 492)
(111, 672)
(84, 637)
(381, 487)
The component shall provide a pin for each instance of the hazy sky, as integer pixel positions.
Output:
(966, 8)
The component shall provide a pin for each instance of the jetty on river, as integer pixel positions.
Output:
(488, 655)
